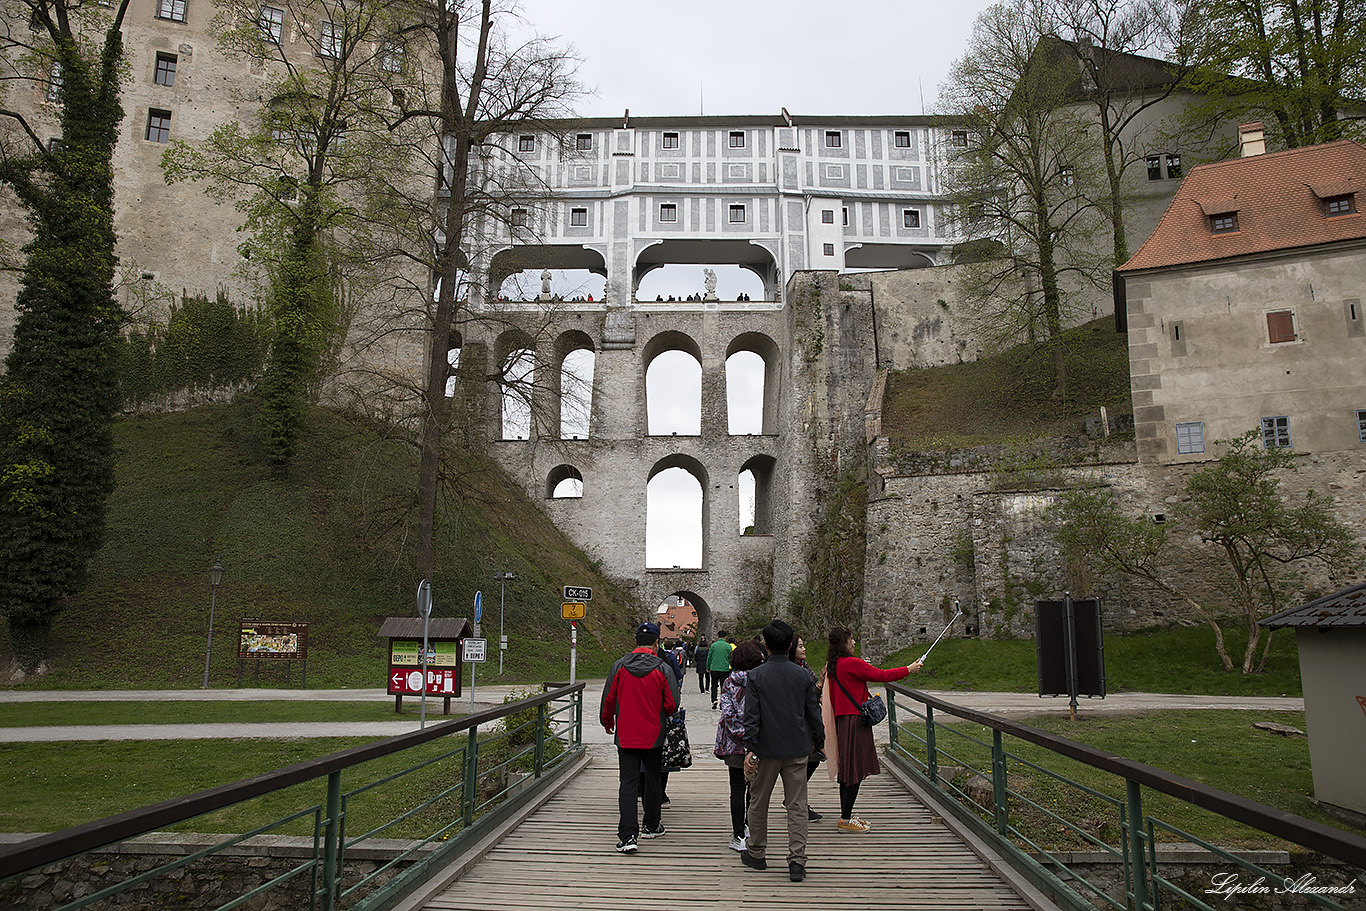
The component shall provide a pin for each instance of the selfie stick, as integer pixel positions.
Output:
(940, 636)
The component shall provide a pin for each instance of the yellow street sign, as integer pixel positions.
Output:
(572, 610)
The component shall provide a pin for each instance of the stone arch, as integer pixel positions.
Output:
(748, 255)
(559, 257)
(514, 395)
(457, 344)
(573, 393)
(762, 469)
(557, 477)
(762, 345)
(700, 608)
(664, 343)
(886, 256)
(698, 472)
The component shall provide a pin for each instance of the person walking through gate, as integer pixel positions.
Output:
(640, 694)
(852, 756)
(782, 728)
(718, 664)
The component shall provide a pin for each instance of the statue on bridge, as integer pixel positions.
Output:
(710, 283)
(545, 285)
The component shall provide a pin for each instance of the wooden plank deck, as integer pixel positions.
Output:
(562, 857)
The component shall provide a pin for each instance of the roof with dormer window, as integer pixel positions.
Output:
(1280, 201)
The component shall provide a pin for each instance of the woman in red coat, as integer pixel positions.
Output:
(855, 757)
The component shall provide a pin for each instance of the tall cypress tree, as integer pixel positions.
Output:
(59, 393)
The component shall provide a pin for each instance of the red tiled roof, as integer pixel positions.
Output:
(1279, 201)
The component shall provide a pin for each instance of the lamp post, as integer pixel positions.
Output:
(502, 578)
(215, 577)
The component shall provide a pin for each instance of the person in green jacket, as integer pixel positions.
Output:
(718, 663)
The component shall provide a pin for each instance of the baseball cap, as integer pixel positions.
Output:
(650, 628)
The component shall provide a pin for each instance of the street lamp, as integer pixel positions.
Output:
(502, 578)
(215, 577)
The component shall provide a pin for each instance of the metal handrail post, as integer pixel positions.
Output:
(471, 775)
(891, 718)
(931, 755)
(331, 841)
(1135, 845)
(540, 739)
(578, 717)
(998, 783)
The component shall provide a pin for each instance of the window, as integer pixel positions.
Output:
(1280, 326)
(737, 139)
(584, 142)
(171, 9)
(1340, 205)
(1154, 167)
(827, 216)
(1190, 437)
(272, 23)
(164, 74)
(1276, 432)
(54, 81)
(1361, 426)
(669, 141)
(1067, 176)
(901, 139)
(959, 139)
(519, 218)
(1173, 165)
(578, 218)
(737, 214)
(55, 146)
(829, 249)
(668, 211)
(845, 211)
(910, 218)
(834, 139)
(391, 57)
(526, 143)
(1223, 224)
(330, 39)
(158, 125)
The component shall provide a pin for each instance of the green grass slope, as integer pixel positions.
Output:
(331, 543)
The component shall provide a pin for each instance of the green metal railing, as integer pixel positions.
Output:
(1013, 820)
(433, 792)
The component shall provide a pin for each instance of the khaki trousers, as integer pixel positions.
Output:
(793, 773)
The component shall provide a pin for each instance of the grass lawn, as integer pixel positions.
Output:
(47, 714)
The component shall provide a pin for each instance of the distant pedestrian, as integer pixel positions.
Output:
(699, 658)
(718, 664)
(782, 729)
(641, 692)
(730, 735)
(852, 756)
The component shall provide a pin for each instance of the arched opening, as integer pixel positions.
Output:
(577, 359)
(574, 285)
(677, 618)
(876, 257)
(547, 272)
(673, 386)
(675, 514)
(516, 378)
(564, 483)
(752, 384)
(755, 485)
(684, 284)
(744, 270)
(453, 364)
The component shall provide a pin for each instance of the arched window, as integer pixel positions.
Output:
(453, 365)
(675, 514)
(755, 486)
(745, 393)
(564, 483)
(577, 362)
(519, 369)
(673, 386)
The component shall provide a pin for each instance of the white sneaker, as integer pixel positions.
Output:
(736, 843)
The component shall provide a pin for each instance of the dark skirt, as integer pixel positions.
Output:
(858, 755)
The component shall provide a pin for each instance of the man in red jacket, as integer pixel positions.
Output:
(640, 694)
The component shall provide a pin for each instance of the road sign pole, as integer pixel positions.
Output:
(573, 648)
(424, 610)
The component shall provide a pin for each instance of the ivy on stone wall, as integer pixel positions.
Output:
(205, 346)
(836, 591)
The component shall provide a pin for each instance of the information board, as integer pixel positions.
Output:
(272, 640)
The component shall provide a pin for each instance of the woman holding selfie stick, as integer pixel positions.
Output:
(854, 757)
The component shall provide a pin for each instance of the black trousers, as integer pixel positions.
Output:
(717, 678)
(639, 772)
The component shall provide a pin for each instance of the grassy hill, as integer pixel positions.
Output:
(331, 544)
(1009, 396)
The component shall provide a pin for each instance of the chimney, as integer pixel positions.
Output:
(1251, 139)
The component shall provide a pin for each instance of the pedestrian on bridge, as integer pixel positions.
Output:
(852, 756)
(640, 694)
(718, 664)
(782, 728)
(730, 735)
(699, 658)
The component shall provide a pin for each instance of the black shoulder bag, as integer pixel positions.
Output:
(870, 712)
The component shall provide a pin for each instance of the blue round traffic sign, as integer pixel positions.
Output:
(478, 606)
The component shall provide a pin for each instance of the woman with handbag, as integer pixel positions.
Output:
(730, 735)
(851, 715)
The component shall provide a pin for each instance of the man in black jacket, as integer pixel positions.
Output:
(782, 728)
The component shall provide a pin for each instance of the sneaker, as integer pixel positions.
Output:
(795, 871)
(736, 843)
(647, 832)
(812, 815)
(853, 825)
(627, 845)
(749, 860)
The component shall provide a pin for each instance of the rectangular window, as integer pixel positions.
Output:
(669, 141)
(845, 211)
(391, 57)
(158, 125)
(668, 211)
(737, 215)
(1223, 224)
(55, 146)
(519, 218)
(164, 74)
(330, 39)
(1280, 326)
(834, 139)
(827, 216)
(1067, 176)
(171, 9)
(1276, 432)
(526, 143)
(1173, 165)
(1361, 426)
(1341, 205)
(578, 218)
(959, 138)
(1190, 437)
(272, 23)
(829, 249)
(584, 142)
(901, 139)
(737, 139)
(54, 81)
(910, 218)
(1154, 163)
